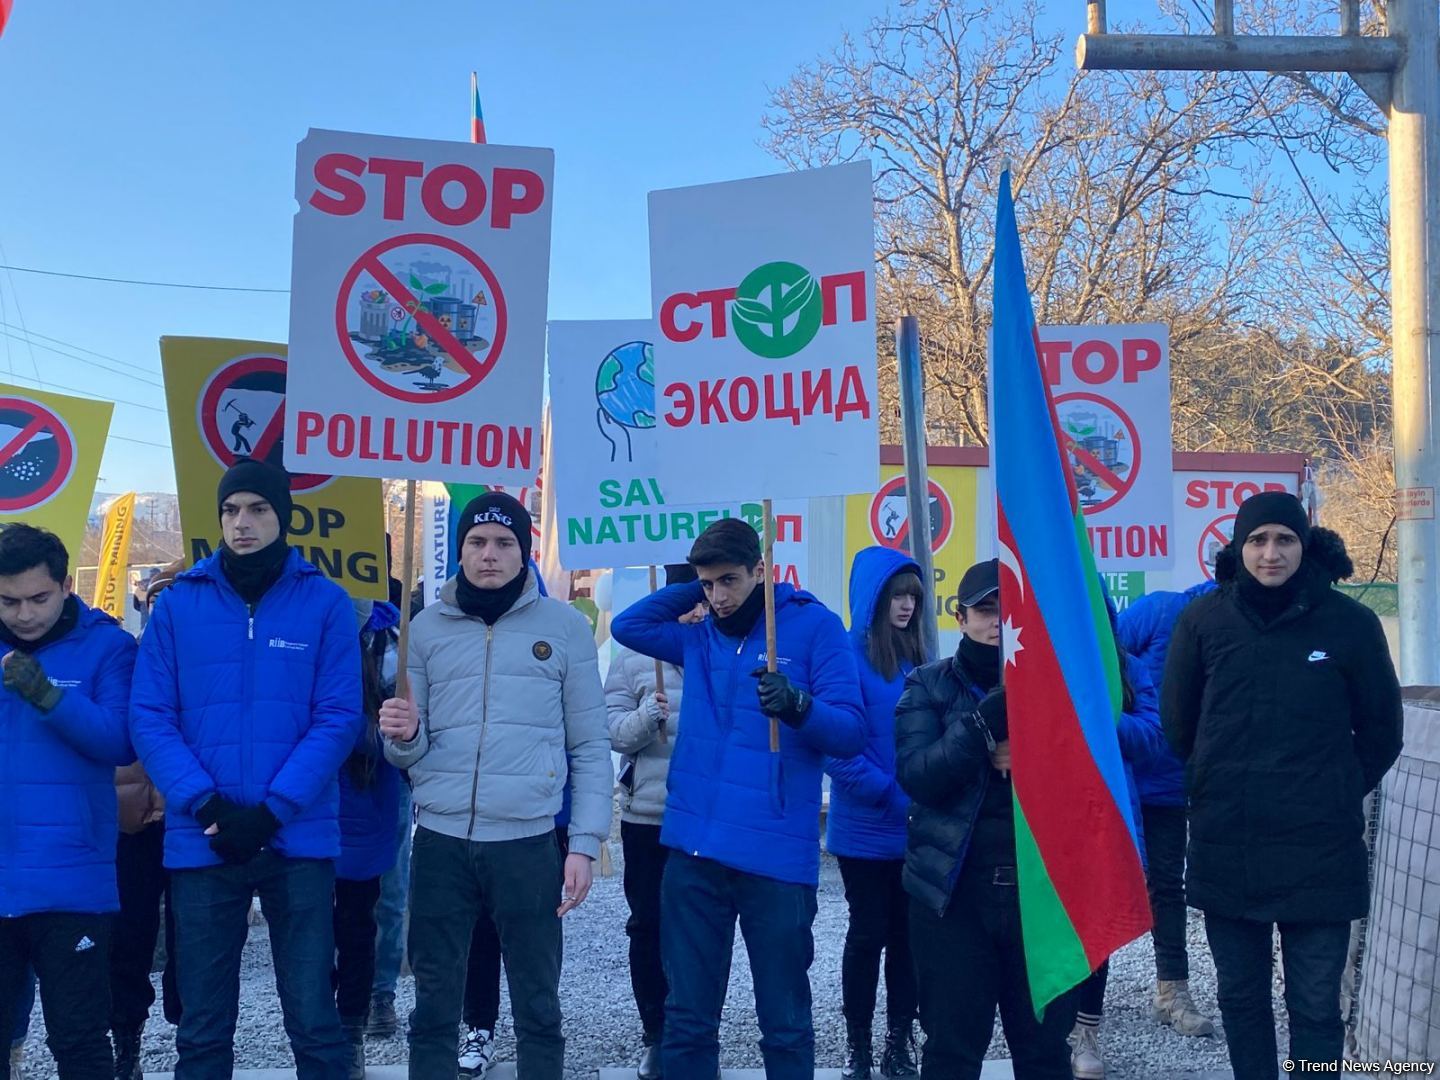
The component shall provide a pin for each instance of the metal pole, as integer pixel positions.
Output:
(1095, 22)
(917, 477)
(1414, 234)
(1225, 18)
(1350, 17)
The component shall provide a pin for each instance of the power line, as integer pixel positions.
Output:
(142, 442)
(78, 348)
(137, 281)
(90, 394)
(5, 332)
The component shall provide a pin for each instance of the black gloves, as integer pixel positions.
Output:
(991, 711)
(782, 699)
(243, 833)
(215, 809)
(25, 678)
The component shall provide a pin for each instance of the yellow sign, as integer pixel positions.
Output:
(50, 449)
(227, 400)
(114, 557)
(883, 518)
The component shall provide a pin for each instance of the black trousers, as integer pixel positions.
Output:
(645, 860)
(354, 947)
(143, 880)
(1165, 828)
(482, 971)
(1314, 958)
(968, 962)
(70, 953)
(1090, 994)
(879, 924)
(516, 884)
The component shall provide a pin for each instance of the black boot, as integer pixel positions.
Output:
(355, 1035)
(859, 1057)
(899, 1056)
(650, 1067)
(127, 1054)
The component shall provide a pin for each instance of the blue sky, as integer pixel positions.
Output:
(156, 141)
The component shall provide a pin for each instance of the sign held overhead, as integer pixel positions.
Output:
(417, 308)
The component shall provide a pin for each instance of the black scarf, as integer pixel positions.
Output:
(742, 620)
(489, 604)
(1270, 602)
(252, 574)
(980, 662)
(69, 617)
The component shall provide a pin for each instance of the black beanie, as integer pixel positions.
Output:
(495, 507)
(680, 573)
(1270, 508)
(270, 482)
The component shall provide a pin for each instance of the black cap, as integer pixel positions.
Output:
(496, 508)
(980, 581)
(680, 573)
(270, 482)
(1270, 508)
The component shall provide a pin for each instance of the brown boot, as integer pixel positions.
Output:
(1175, 1009)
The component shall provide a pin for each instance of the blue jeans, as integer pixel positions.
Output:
(211, 910)
(700, 901)
(20, 1026)
(390, 912)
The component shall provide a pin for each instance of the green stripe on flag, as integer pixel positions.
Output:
(1104, 632)
(1055, 960)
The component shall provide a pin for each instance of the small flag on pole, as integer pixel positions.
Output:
(1082, 888)
(477, 117)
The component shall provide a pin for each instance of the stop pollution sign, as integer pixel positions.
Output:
(417, 309)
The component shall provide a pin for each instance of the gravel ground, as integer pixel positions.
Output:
(602, 1028)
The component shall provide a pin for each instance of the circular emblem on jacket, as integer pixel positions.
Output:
(542, 650)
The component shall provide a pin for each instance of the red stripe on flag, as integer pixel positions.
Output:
(4, 14)
(1079, 830)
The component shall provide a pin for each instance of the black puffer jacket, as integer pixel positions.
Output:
(942, 761)
(1284, 728)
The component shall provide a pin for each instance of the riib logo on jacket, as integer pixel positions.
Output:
(293, 646)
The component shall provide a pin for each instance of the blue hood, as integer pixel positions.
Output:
(872, 568)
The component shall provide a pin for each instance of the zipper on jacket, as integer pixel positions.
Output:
(484, 724)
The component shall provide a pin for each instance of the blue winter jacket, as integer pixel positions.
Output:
(1142, 739)
(258, 707)
(1144, 630)
(730, 799)
(368, 814)
(57, 774)
(868, 811)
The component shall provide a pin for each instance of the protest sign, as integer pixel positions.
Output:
(765, 341)
(611, 509)
(50, 450)
(110, 595)
(419, 285)
(228, 399)
(1111, 386)
(1207, 499)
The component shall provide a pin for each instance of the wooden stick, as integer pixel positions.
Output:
(659, 669)
(770, 611)
(407, 584)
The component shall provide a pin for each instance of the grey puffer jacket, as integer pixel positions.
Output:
(635, 734)
(502, 710)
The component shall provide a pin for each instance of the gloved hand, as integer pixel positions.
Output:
(657, 707)
(216, 809)
(25, 678)
(992, 711)
(782, 699)
(243, 834)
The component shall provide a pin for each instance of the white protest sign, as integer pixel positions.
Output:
(610, 506)
(1112, 399)
(765, 355)
(435, 539)
(417, 308)
(1205, 507)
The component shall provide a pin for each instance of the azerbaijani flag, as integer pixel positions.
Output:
(477, 118)
(4, 14)
(1082, 888)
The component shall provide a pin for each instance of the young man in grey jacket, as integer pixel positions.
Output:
(504, 688)
(643, 722)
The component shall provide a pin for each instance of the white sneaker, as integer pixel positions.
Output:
(477, 1053)
(1086, 1061)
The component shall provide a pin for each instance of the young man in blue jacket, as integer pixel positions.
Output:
(744, 822)
(246, 702)
(66, 680)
